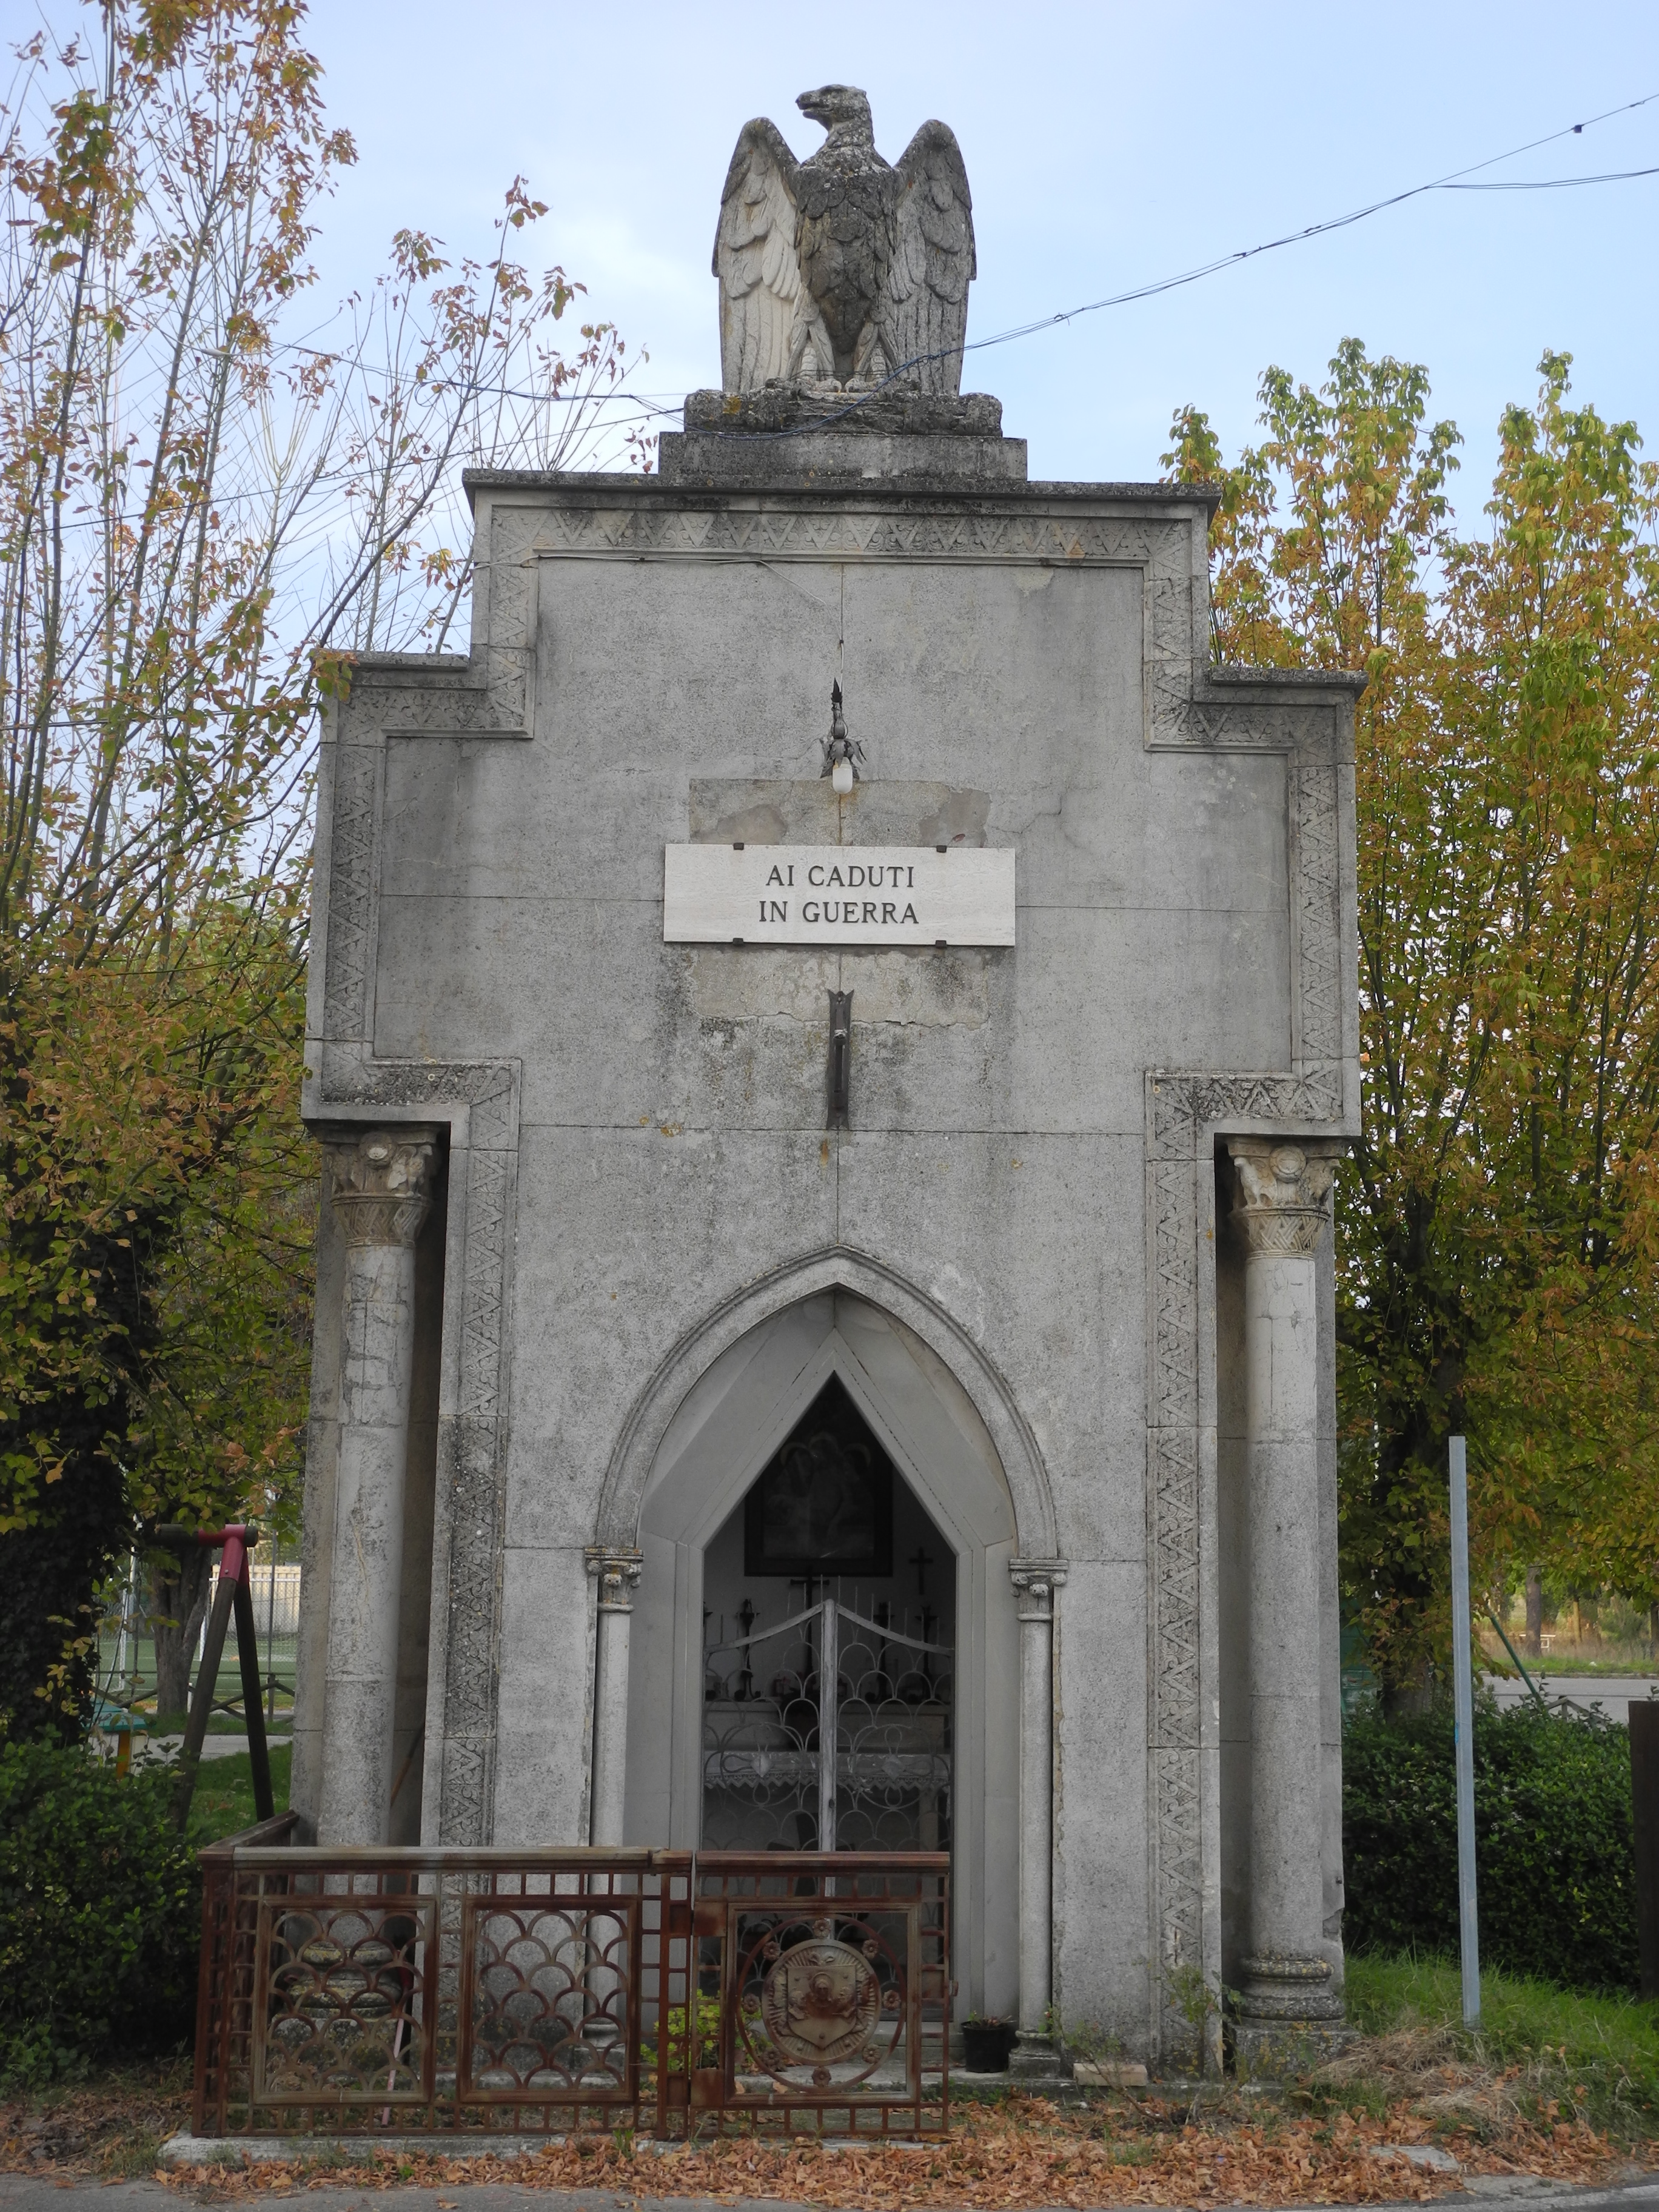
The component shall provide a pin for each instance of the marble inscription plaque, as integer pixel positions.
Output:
(837, 895)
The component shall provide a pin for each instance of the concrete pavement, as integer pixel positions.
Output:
(27, 2193)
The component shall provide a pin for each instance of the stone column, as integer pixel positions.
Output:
(1036, 1582)
(617, 1573)
(1283, 1210)
(381, 1188)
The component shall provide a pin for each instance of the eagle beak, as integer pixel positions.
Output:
(812, 104)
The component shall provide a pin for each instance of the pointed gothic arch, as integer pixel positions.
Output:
(721, 1430)
(935, 1330)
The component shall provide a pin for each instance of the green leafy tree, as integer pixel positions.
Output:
(1496, 1221)
(206, 507)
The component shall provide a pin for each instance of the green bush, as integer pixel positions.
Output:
(1554, 1858)
(100, 1913)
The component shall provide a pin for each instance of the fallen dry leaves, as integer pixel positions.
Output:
(1023, 2154)
(1003, 2157)
(107, 2127)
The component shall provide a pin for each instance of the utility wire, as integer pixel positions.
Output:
(1549, 184)
(1452, 181)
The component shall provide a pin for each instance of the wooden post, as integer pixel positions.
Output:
(253, 1700)
(233, 1591)
(201, 1700)
(1644, 1803)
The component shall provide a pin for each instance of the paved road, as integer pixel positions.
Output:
(23, 2193)
(1612, 1692)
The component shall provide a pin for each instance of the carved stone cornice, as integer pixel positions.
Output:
(617, 1573)
(382, 1185)
(1036, 1582)
(1285, 1193)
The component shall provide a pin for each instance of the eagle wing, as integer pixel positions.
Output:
(934, 260)
(755, 260)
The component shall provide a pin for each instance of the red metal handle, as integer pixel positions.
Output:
(238, 1538)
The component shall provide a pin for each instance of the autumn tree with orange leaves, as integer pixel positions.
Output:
(1498, 1224)
(207, 503)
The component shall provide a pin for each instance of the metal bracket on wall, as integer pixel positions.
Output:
(841, 1057)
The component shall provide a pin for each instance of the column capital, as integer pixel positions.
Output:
(618, 1572)
(1284, 1191)
(382, 1184)
(1037, 1581)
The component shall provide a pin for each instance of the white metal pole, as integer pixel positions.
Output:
(271, 1636)
(828, 1722)
(129, 1607)
(1463, 1708)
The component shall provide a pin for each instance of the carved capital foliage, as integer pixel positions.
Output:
(1285, 1193)
(617, 1573)
(382, 1185)
(1037, 1581)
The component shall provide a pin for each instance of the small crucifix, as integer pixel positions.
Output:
(921, 1561)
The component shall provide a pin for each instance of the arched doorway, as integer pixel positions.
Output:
(834, 1364)
(828, 1651)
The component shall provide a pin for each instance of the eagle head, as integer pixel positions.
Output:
(837, 105)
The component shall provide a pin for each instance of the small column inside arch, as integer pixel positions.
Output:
(829, 1522)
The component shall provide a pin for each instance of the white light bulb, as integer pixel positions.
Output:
(841, 777)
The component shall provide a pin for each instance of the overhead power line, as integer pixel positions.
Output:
(1547, 183)
(1454, 180)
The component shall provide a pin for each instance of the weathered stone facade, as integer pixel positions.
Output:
(1083, 1194)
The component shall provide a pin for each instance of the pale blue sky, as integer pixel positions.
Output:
(1105, 145)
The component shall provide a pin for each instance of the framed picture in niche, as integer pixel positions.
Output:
(823, 1504)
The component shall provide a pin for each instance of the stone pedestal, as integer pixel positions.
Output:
(1287, 2006)
(381, 1190)
(892, 437)
(1036, 2062)
(1290, 2017)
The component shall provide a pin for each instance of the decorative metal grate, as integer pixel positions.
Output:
(380, 1988)
(365, 1990)
(827, 1731)
(829, 1972)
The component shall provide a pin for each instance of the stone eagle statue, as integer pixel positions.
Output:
(843, 270)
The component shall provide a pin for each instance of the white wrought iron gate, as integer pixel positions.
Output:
(828, 1731)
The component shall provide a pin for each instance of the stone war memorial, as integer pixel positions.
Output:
(831, 1028)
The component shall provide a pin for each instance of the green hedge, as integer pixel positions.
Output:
(99, 1914)
(1553, 1849)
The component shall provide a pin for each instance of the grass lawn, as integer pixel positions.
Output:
(224, 1793)
(1595, 2056)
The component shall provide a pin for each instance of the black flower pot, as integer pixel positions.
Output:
(986, 2044)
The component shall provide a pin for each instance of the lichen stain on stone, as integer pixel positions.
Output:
(923, 989)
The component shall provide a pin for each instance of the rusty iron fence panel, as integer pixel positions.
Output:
(378, 1989)
(831, 1976)
(373, 1990)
